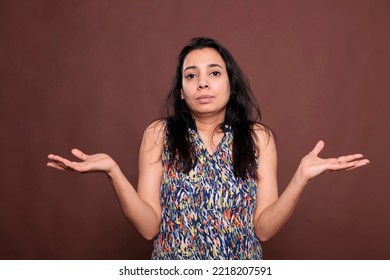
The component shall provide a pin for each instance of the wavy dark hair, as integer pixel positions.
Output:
(242, 114)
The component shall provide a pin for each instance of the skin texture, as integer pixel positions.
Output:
(205, 89)
(206, 92)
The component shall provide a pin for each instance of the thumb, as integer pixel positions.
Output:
(79, 154)
(318, 148)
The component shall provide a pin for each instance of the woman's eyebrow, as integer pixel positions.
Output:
(210, 66)
(189, 67)
(215, 65)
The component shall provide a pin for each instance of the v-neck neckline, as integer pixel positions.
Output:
(203, 146)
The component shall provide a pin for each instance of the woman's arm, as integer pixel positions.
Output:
(141, 207)
(272, 210)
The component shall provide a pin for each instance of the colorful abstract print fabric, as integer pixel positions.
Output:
(207, 213)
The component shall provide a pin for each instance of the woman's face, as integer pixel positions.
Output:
(205, 85)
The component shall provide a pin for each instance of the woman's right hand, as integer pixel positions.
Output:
(88, 163)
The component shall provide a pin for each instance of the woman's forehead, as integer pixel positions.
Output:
(205, 57)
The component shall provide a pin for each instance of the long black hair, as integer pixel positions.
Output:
(242, 114)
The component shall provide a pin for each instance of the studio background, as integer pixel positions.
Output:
(93, 74)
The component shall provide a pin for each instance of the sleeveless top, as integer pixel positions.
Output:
(208, 212)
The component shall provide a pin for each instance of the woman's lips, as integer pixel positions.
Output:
(203, 99)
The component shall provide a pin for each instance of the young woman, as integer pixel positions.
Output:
(207, 185)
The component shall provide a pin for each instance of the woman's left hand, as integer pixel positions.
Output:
(312, 165)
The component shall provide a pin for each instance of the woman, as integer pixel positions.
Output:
(207, 185)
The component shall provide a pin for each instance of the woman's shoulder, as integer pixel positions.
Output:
(154, 133)
(264, 135)
(157, 125)
(261, 130)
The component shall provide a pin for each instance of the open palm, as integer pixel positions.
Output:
(312, 165)
(87, 163)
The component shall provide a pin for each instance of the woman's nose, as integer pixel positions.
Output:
(203, 83)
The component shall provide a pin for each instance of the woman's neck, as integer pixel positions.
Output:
(209, 124)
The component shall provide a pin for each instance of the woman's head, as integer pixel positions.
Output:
(205, 84)
(241, 97)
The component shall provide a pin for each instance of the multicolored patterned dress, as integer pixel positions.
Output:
(207, 213)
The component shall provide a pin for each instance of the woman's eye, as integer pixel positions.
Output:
(215, 73)
(190, 76)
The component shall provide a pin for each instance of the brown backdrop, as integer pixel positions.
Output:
(93, 74)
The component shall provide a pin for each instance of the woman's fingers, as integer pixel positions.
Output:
(337, 166)
(56, 158)
(356, 160)
(60, 163)
(318, 148)
(349, 158)
(55, 165)
(79, 154)
(357, 163)
(347, 162)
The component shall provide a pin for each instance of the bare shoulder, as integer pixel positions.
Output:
(264, 137)
(154, 135)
